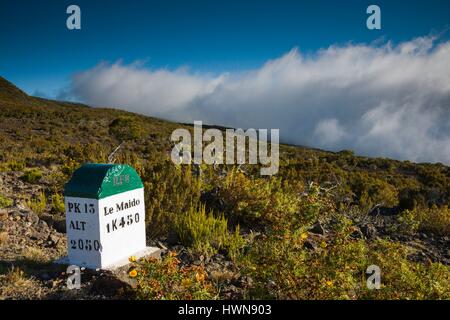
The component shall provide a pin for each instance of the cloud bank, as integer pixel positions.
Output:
(384, 100)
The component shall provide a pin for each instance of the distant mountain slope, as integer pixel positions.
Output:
(9, 92)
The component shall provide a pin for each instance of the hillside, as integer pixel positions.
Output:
(324, 218)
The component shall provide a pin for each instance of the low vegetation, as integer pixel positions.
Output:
(166, 280)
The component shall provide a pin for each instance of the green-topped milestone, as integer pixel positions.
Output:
(97, 181)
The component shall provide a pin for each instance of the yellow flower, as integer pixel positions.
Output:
(133, 273)
(304, 236)
(199, 277)
(132, 259)
(329, 283)
(186, 282)
(323, 244)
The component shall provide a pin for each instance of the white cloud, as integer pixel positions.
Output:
(329, 132)
(386, 100)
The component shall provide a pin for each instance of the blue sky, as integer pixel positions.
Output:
(39, 54)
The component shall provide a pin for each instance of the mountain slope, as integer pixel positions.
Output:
(10, 93)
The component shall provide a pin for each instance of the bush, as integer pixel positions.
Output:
(15, 166)
(434, 219)
(171, 192)
(258, 200)
(372, 191)
(336, 269)
(126, 128)
(31, 176)
(39, 204)
(205, 233)
(5, 202)
(58, 203)
(165, 280)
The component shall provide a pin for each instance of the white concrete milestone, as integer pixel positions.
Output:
(105, 216)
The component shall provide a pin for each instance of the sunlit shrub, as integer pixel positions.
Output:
(205, 233)
(58, 203)
(166, 280)
(126, 128)
(15, 165)
(372, 191)
(38, 204)
(31, 176)
(258, 200)
(434, 219)
(170, 193)
(5, 201)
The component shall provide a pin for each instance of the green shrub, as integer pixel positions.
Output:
(171, 192)
(403, 279)
(372, 191)
(126, 128)
(58, 203)
(5, 202)
(434, 219)
(39, 204)
(205, 233)
(409, 223)
(166, 280)
(31, 176)
(283, 268)
(258, 200)
(15, 165)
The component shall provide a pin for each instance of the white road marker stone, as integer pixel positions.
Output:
(105, 216)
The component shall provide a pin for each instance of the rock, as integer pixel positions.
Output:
(42, 226)
(218, 257)
(184, 257)
(243, 282)
(317, 228)
(308, 244)
(53, 239)
(231, 292)
(60, 226)
(3, 215)
(197, 262)
(369, 231)
(15, 214)
(161, 245)
(32, 217)
(357, 234)
(38, 235)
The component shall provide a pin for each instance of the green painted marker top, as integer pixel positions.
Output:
(97, 181)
